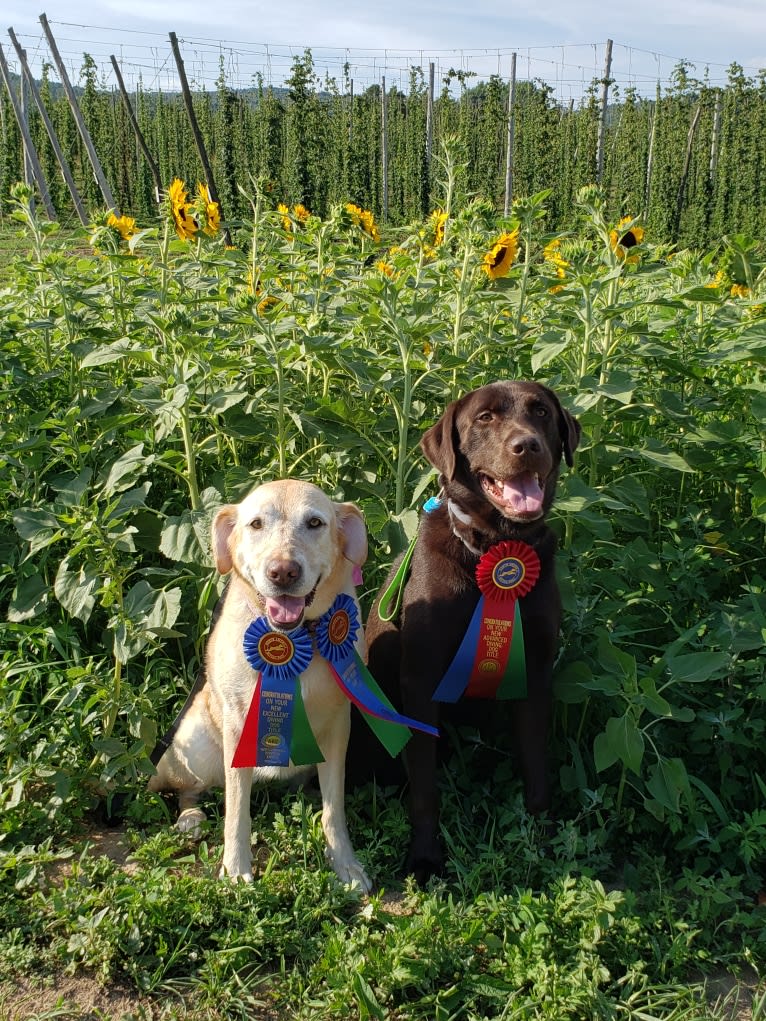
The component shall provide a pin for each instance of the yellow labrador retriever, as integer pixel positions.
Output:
(291, 551)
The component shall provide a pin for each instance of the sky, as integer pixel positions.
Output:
(561, 42)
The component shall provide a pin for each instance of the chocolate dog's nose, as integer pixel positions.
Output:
(528, 444)
(283, 572)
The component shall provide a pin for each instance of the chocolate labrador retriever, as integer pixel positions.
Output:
(498, 451)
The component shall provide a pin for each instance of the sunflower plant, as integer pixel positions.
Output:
(502, 254)
(180, 210)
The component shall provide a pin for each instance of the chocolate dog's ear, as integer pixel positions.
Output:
(570, 431)
(353, 531)
(441, 442)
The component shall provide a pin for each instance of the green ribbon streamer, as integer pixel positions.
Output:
(514, 680)
(304, 750)
(393, 736)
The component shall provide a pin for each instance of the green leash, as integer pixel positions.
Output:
(391, 600)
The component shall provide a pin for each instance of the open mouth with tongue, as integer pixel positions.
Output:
(286, 612)
(520, 497)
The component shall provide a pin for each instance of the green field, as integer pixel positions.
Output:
(148, 379)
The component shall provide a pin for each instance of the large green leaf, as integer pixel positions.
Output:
(29, 597)
(76, 588)
(668, 783)
(126, 470)
(146, 613)
(698, 667)
(620, 740)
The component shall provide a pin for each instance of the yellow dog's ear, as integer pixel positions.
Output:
(223, 526)
(353, 532)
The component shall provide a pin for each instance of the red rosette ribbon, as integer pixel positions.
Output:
(509, 570)
(490, 661)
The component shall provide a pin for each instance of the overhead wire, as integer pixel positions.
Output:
(245, 62)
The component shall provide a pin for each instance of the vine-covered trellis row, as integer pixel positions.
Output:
(690, 162)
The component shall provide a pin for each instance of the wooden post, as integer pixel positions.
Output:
(29, 174)
(62, 161)
(509, 141)
(716, 138)
(198, 140)
(606, 81)
(430, 115)
(350, 112)
(685, 171)
(137, 130)
(79, 121)
(29, 145)
(384, 147)
(650, 155)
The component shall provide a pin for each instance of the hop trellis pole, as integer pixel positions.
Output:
(79, 121)
(153, 168)
(606, 81)
(30, 151)
(384, 146)
(198, 140)
(509, 141)
(53, 137)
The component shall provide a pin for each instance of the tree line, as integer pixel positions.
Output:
(689, 161)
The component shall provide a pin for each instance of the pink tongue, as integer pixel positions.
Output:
(524, 494)
(286, 609)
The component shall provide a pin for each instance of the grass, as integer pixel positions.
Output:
(529, 921)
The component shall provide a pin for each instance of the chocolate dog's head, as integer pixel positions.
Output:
(503, 443)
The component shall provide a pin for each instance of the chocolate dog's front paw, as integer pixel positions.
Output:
(425, 858)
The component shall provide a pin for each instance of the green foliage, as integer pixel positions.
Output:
(145, 383)
(319, 143)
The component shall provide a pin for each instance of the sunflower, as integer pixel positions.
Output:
(363, 218)
(354, 212)
(367, 223)
(552, 254)
(739, 291)
(209, 210)
(124, 225)
(181, 210)
(284, 212)
(624, 237)
(438, 220)
(386, 269)
(300, 213)
(501, 256)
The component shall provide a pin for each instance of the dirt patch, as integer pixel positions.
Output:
(732, 996)
(69, 998)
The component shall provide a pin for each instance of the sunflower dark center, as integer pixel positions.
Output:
(628, 239)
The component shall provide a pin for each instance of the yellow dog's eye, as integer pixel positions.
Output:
(315, 522)
(256, 524)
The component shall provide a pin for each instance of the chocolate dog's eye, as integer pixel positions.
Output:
(485, 416)
(541, 411)
(256, 524)
(315, 523)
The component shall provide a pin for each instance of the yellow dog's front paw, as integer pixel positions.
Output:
(349, 871)
(190, 821)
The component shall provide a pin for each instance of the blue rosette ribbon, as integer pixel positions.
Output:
(335, 637)
(276, 728)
